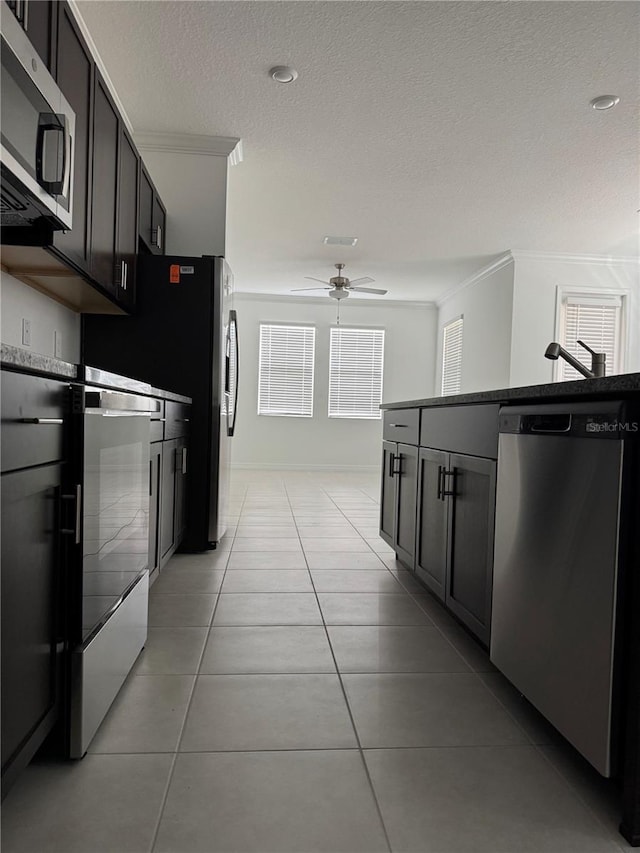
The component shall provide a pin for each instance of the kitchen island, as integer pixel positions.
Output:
(442, 464)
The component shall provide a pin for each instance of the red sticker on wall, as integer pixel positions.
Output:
(174, 274)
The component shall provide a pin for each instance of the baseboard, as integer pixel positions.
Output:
(268, 466)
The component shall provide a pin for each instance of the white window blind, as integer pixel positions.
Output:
(356, 358)
(596, 320)
(452, 357)
(285, 373)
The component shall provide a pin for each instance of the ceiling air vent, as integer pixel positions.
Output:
(340, 241)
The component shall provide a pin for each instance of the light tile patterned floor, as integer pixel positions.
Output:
(300, 692)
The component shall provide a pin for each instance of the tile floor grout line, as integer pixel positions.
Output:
(349, 711)
(165, 796)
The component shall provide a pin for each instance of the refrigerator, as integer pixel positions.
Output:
(183, 337)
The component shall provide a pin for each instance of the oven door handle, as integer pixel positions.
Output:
(114, 401)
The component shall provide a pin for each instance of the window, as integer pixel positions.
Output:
(356, 359)
(285, 373)
(452, 357)
(595, 319)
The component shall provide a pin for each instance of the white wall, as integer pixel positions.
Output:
(486, 303)
(20, 301)
(193, 188)
(534, 308)
(320, 440)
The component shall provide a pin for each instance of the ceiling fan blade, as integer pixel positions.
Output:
(311, 278)
(298, 289)
(369, 290)
(364, 280)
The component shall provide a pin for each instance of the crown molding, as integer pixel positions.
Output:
(101, 66)
(247, 296)
(568, 258)
(483, 272)
(192, 143)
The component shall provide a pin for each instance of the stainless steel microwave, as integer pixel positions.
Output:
(37, 130)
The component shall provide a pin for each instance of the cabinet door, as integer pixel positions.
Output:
(471, 484)
(74, 75)
(406, 493)
(127, 220)
(105, 179)
(31, 621)
(40, 26)
(145, 209)
(182, 464)
(388, 493)
(168, 501)
(432, 532)
(155, 490)
(158, 226)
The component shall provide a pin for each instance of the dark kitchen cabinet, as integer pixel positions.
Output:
(155, 507)
(388, 493)
(168, 502)
(398, 499)
(454, 542)
(37, 18)
(127, 221)
(32, 597)
(153, 217)
(74, 73)
(432, 531)
(181, 462)
(106, 136)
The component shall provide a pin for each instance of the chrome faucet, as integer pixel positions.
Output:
(598, 359)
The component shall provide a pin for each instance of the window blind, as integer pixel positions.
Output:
(452, 357)
(285, 373)
(356, 358)
(597, 322)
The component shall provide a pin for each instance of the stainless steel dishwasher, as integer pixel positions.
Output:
(556, 564)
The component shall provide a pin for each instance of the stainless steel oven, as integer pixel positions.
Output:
(37, 134)
(109, 616)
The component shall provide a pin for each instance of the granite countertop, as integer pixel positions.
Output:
(33, 362)
(23, 359)
(621, 385)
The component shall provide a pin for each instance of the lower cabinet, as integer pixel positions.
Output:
(454, 537)
(168, 515)
(32, 628)
(398, 499)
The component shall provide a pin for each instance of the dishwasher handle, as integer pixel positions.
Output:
(551, 424)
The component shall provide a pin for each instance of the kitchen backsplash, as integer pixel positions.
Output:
(47, 321)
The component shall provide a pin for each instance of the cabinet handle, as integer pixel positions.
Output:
(41, 420)
(151, 478)
(391, 463)
(440, 472)
(125, 271)
(156, 237)
(75, 531)
(451, 492)
(399, 426)
(184, 460)
(397, 471)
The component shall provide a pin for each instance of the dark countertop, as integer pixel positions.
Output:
(32, 362)
(622, 385)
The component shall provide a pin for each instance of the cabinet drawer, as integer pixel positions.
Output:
(26, 400)
(177, 419)
(156, 431)
(461, 429)
(402, 425)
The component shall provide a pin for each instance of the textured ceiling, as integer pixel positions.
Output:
(439, 133)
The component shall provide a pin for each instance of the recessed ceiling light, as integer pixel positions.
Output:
(340, 241)
(604, 102)
(283, 73)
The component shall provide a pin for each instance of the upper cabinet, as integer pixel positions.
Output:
(74, 71)
(153, 217)
(37, 18)
(117, 211)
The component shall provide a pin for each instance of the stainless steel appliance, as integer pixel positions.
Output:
(109, 589)
(37, 134)
(555, 575)
(183, 337)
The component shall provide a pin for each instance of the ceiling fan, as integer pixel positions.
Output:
(340, 286)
